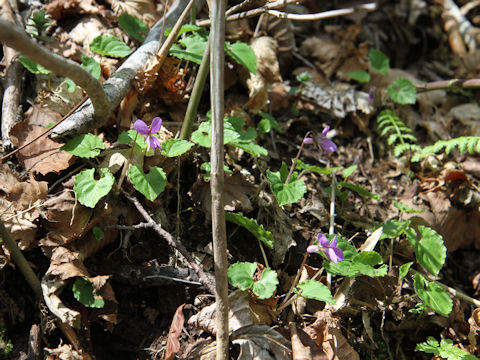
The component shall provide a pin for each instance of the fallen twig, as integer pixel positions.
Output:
(12, 82)
(322, 15)
(15, 38)
(202, 276)
(451, 84)
(119, 84)
(269, 9)
(46, 131)
(24, 267)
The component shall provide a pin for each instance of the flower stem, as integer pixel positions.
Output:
(294, 163)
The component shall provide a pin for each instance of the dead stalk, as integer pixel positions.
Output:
(217, 56)
(12, 82)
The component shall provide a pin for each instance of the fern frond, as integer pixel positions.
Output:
(401, 148)
(398, 133)
(463, 143)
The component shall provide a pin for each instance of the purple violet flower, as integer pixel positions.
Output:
(333, 253)
(326, 144)
(143, 129)
(308, 140)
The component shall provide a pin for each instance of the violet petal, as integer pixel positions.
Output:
(325, 131)
(141, 127)
(328, 145)
(156, 142)
(335, 255)
(150, 143)
(156, 125)
(313, 249)
(334, 242)
(323, 241)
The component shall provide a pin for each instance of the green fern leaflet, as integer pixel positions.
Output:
(398, 133)
(463, 143)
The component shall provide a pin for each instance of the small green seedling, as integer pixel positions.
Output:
(83, 292)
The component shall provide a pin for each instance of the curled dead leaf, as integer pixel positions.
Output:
(235, 197)
(242, 312)
(268, 72)
(326, 331)
(44, 155)
(173, 345)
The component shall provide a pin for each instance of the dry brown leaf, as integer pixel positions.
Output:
(469, 116)
(242, 312)
(44, 155)
(268, 72)
(25, 194)
(474, 331)
(51, 288)
(63, 352)
(87, 29)
(7, 178)
(261, 342)
(143, 9)
(327, 333)
(59, 9)
(67, 219)
(20, 225)
(460, 228)
(470, 165)
(173, 345)
(236, 194)
(328, 54)
(303, 346)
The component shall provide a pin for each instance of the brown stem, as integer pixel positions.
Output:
(217, 63)
(202, 276)
(294, 163)
(449, 84)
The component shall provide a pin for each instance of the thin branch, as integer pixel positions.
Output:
(21, 262)
(322, 15)
(217, 63)
(252, 13)
(196, 95)
(46, 131)
(15, 38)
(268, 9)
(202, 276)
(451, 84)
(119, 84)
(172, 37)
(12, 82)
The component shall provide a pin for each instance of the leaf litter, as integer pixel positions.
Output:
(65, 241)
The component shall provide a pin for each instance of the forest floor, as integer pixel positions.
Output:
(351, 102)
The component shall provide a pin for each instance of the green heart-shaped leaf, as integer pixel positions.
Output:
(150, 185)
(89, 191)
(175, 147)
(85, 146)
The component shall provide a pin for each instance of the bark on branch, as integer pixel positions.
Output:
(15, 38)
(119, 84)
